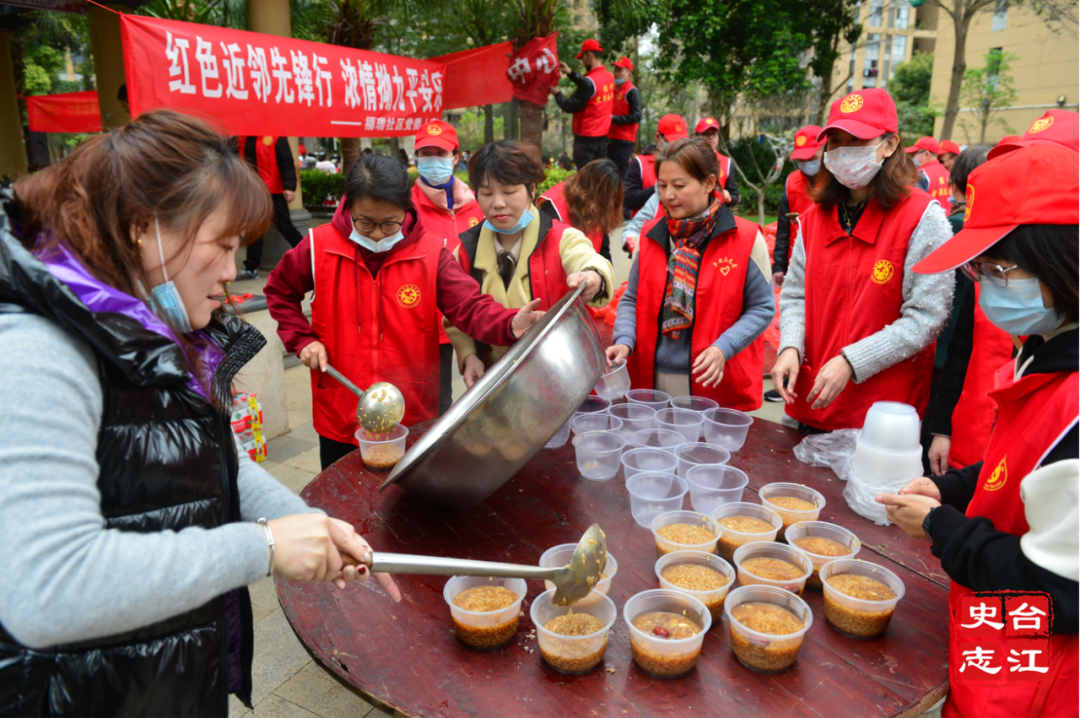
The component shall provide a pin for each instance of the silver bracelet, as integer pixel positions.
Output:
(270, 540)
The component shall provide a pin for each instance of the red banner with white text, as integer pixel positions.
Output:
(66, 112)
(534, 69)
(477, 77)
(248, 83)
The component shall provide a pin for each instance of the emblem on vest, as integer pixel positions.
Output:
(408, 295)
(883, 271)
(268, 141)
(473, 221)
(725, 265)
(1041, 124)
(997, 479)
(851, 103)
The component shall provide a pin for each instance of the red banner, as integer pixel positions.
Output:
(68, 112)
(253, 84)
(535, 69)
(477, 77)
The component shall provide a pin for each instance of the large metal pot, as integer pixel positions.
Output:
(507, 416)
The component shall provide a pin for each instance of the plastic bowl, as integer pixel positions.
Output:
(853, 617)
(694, 453)
(593, 404)
(487, 630)
(727, 428)
(885, 464)
(615, 383)
(713, 485)
(666, 546)
(558, 556)
(653, 493)
(693, 403)
(597, 421)
(732, 539)
(713, 599)
(634, 418)
(598, 454)
(763, 652)
(821, 529)
(687, 423)
(560, 437)
(666, 657)
(773, 550)
(572, 655)
(657, 439)
(381, 452)
(637, 461)
(655, 400)
(769, 493)
(891, 425)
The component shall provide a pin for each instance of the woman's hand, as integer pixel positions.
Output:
(590, 278)
(472, 370)
(830, 381)
(347, 540)
(939, 454)
(710, 364)
(303, 549)
(786, 368)
(922, 486)
(726, 197)
(616, 353)
(908, 512)
(525, 318)
(314, 356)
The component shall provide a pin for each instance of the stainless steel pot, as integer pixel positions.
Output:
(507, 416)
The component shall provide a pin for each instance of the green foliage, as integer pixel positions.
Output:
(915, 121)
(553, 176)
(910, 81)
(987, 90)
(319, 186)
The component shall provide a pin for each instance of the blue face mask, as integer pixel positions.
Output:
(521, 224)
(1018, 308)
(383, 245)
(620, 80)
(436, 170)
(166, 297)
(809, 167)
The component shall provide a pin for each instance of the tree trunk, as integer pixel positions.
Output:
(824, 95)
(489, 124)
(350, 152)
(510, 120)
(532, 124)
(761, 206)
(952, 106)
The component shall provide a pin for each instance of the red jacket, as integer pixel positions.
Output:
(555, 197)
(620, 107)
(939, 181)
(595, 119)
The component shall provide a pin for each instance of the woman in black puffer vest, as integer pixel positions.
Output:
(129, 517)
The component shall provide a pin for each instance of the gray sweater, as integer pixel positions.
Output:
(66, 577)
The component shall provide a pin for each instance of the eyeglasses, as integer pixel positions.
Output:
(366, 225)
(997, 274)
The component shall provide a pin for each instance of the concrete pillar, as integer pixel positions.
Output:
(12, 149)
(108, 62)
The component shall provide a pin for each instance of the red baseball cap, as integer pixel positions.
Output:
(437, 134)
(589, 45)
(707, 123)
(925, 143)
(1032, 185)
(1060, 126)
(625, 62)
(806, 143)
(672, 127)
(949, 146)
(866, 114)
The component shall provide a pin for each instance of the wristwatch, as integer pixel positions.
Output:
(926, 523)
(603, 282)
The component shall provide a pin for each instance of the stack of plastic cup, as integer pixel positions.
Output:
(888, 448)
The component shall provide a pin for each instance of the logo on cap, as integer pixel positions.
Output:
(851, 103)
(883, 271)
(969, 201)
(408, 295)
(800, 140)
(434, 130)
(1041, 124)
(997, 479)
(678, 127)
(711, 121)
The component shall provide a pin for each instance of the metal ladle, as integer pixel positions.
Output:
(380, 408)
(572, 581)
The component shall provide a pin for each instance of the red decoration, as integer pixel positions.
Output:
(67, 112)
(534, 69)
(477, 77)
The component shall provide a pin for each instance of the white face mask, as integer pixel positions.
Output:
(854, 167)
(383, 245)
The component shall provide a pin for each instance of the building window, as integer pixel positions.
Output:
(870, 63)
(993, 66)
(1001, 16)
(899, 51)
(903, 13)
(874, 18)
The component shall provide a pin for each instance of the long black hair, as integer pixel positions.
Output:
(378, 177)
(1047, 251)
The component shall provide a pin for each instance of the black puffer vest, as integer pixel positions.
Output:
(167, 462)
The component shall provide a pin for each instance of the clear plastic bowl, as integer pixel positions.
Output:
(773, 550)
(597, 421)
(666, 546)
(885, 464)
(653, 493)
(714, 599)
(694, 453)
(727, 428)
(763, 652)
(693, 403)
(637, 461)
(770, 492)
(572, 655)
(730, 539)
(657, 439)
(853, 617)
(560, 437)
(713, 485)
(558, 556)
(593, 404)
(634, 418)
(655, 400)
(381, 452)
(821, 529)
(615, 383)
(687, 423)
(892, 426)
(487, 630)
(666, 657)
(598, 454)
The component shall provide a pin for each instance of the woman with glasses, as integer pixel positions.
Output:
(379, 281)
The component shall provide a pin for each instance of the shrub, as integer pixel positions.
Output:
(319, 187)
(553, 176)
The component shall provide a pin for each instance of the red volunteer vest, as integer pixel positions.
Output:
(973, 417)
(595, 119)
(265, 161)
(939, 181)
(718, 301)
(1033, 414)
(374, 329)
(547, 278)
(854, 289)
(725, 168)
(619, 107)
(555, 198)
(798, 193)
(647, 163)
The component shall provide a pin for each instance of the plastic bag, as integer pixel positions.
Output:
(834, 450)
(860, 492)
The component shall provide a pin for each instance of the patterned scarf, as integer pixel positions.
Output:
(689, 234)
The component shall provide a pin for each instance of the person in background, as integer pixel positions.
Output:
(272, 159)
(122, 98)
(1009, 521)
(698, 297)
(590, 201)
(403, 158)
(380, 281)
(326, 165)
(709, 128)
(933, 177)
(641, 177)
(949, 152)
(565, 162)
(590, 104)
(856, 325)
(1055, 126)
(625, 116)
(796, 199)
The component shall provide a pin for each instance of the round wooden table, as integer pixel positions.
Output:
(407, 656)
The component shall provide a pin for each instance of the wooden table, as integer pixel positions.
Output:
(407, 655)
